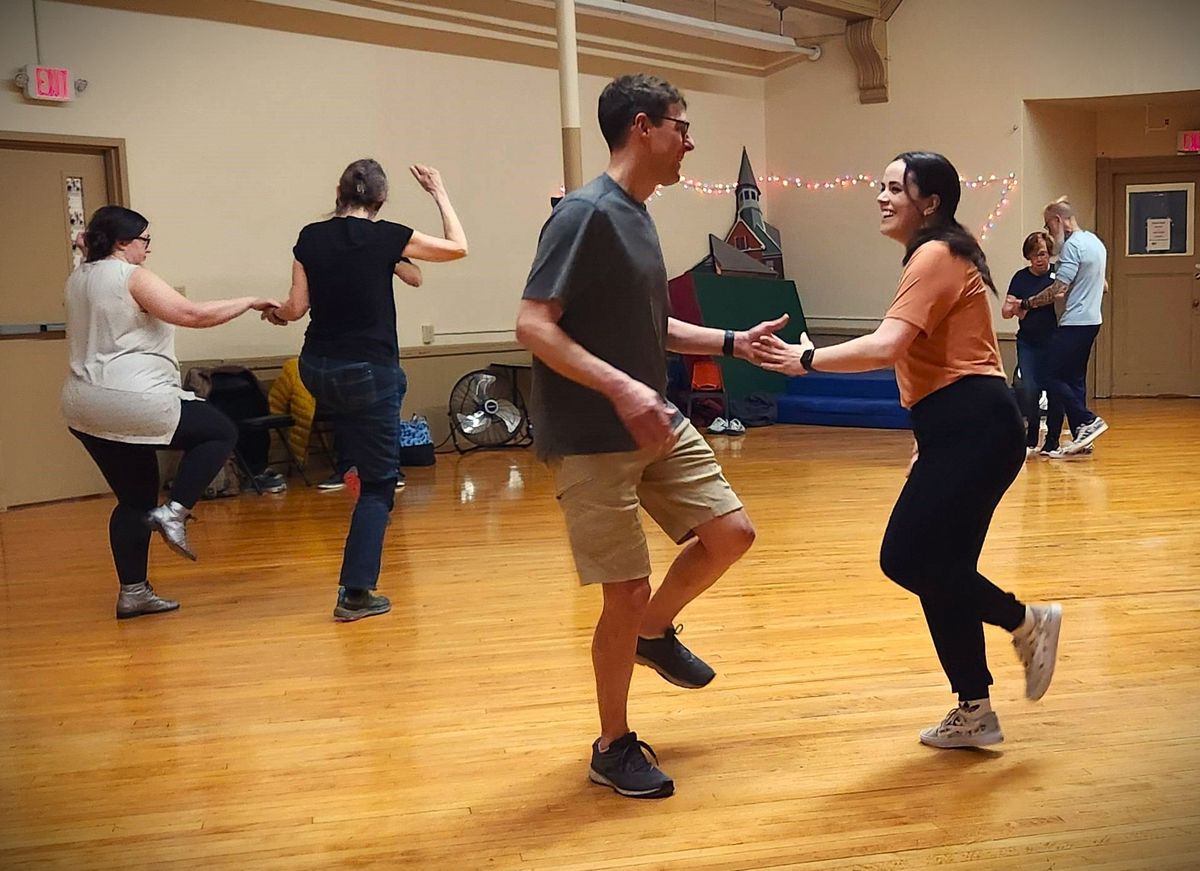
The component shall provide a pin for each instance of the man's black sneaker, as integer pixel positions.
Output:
(356, 604)
(624, 768)
(673, 661)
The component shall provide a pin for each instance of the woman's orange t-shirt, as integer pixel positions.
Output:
(945, 298)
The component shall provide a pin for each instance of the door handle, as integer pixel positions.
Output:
(20, 330)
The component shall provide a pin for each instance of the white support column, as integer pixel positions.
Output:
(568, 94)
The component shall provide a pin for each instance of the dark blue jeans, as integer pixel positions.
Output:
(1031, 358)
(1066, 378)
(364, 400)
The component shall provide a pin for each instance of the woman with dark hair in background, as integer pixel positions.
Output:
(122, 398)
(350, 362)
(1033, 335)
(969, 441)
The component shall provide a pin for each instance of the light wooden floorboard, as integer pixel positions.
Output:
(248, 730)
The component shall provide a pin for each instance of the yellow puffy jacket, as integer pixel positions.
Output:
(289, 396)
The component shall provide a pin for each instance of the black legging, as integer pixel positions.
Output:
(971, 444)
(206, 437)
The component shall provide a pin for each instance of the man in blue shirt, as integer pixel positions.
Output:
(1080, 280)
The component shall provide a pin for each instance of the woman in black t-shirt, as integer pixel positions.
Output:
(342, 277)
(1033, 335)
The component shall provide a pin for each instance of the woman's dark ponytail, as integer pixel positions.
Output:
(934, 174)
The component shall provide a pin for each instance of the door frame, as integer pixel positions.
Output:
(116, 171)
(1107, 169)
(112, 151)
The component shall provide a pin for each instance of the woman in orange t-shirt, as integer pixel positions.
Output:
(970, 441)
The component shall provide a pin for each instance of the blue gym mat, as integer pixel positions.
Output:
(866, 399)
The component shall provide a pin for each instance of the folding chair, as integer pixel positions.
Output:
(238, 394)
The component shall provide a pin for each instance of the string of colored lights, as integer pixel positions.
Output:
(841, 182)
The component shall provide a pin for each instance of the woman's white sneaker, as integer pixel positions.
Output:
(965, 726)
(1036, 643)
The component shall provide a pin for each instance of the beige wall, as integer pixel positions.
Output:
(1060, 159)
(960, 75)
(1125, 132)
(236, 137)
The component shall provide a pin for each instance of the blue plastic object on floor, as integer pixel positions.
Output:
(865, 399)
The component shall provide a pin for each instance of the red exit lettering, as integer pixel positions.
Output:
(49, 83)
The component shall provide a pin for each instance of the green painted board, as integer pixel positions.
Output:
(738, 304)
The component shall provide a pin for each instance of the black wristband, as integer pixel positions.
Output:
(806, 360)
(1025, 304)
(727, 347)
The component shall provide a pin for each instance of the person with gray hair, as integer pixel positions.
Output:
(1079, 280)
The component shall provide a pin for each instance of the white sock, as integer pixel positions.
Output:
(1026, 625)
(976, 708)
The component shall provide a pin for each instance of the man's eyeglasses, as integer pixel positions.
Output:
(679, 123)
(145, 239)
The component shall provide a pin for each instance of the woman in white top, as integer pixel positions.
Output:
(122, 398)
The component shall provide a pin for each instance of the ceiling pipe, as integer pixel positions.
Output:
(697, 27)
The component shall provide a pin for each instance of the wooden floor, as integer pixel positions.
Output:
(250, 731)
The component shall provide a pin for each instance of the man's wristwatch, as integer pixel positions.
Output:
(727, 347)
(806, 359)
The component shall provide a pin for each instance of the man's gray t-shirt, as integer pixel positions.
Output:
(599, 258)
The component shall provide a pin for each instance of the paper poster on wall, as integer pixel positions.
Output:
(1158, 219)
(1158, 234)
(73, 188)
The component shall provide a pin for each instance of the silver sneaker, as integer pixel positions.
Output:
(1038, 648)
(961, 728)
(137, 599)
(1087, 434)
(170, 523)
(1066, 452)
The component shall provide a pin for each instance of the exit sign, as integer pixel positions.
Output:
(1189, 142)
(48, 83)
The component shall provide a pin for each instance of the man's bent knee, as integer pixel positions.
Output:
(728, 537)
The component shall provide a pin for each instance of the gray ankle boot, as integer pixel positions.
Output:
(169, 521)
(137, 599)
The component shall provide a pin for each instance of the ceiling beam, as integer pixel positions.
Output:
(848, 10)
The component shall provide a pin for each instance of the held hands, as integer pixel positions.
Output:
(743, 342)
(645, 415)
(775, 355)
(270, 313)
(428, 178)
(1012, 308)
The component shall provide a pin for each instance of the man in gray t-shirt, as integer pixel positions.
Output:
(595, 315)
(1079, 280)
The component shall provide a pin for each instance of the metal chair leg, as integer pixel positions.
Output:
(245, 467)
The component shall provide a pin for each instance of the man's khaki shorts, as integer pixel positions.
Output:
(600, 495)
